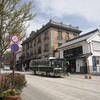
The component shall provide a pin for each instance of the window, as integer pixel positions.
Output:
(39, 50)
(67, 37)
(27, 46)
(74, 35)
(30, 44)
(46, 48)
(39, 39)
(46, 35)
(97, 62)
(34, 42)
(59, 44)
(59, 35)
(31, 53)
(34, 52)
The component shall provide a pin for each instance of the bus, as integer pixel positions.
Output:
(49, 67)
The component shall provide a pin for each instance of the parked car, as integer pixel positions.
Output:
(6, 67)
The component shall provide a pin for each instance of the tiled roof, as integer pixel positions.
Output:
(80, 38)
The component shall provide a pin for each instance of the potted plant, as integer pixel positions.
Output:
(1, 96)
(12, 85)
(10, 94)
(18, 81)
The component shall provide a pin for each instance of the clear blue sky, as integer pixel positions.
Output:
(82, 13)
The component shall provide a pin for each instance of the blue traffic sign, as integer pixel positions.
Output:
(14, 47)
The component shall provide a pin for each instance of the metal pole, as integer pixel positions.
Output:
(13, 70)
(13, 63)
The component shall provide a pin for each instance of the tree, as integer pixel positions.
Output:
(13, 17)
(6, 57)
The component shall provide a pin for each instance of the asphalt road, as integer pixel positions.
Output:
(74, 87)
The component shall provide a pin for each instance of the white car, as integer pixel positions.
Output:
(6, 67)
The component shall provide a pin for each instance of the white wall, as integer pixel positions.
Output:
(86, 47)
(89, 63)
(79, 63)
(61, 54)
(94, 52)
(18, 55)
(96, 38)
(57, 54)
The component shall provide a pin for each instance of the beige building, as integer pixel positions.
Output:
(44, 42)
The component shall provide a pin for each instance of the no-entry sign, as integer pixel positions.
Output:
(14, 47)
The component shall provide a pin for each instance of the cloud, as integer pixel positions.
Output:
(35, 24)
(82, 13)
(89, 9)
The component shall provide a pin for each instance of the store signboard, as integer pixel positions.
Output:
(73, 52)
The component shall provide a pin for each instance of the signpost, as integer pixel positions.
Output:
(14, 47)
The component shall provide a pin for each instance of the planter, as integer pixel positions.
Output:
(1, 98)
(16, 97)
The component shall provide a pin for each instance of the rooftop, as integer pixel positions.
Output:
(80, 38)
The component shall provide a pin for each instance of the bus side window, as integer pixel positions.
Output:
(52, 63)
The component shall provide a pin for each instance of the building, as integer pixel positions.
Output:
(18, 54)
(83, 53)
(44, 42)
(18, 61)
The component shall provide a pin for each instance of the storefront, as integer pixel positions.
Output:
(83, 53)
(76, 59)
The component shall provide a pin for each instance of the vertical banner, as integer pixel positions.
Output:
(94, 63)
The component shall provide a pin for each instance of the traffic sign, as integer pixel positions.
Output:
(14, 38)
(14, 47)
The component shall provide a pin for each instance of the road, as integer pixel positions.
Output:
(74, 87)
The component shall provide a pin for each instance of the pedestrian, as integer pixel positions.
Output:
(23, 68)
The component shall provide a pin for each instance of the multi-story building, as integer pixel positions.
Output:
(18, 59)
(44, 42)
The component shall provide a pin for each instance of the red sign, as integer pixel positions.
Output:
(14, 38)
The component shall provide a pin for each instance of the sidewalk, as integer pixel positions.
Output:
(82, 76)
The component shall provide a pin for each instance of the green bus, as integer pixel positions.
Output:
(49, 67)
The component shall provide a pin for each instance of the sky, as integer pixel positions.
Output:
(82, 13)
